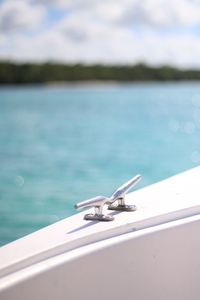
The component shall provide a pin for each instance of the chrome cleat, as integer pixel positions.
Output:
(119, 196)
(99, 202)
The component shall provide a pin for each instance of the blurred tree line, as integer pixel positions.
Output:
(27, 73)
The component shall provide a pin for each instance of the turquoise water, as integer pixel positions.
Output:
(59, 145)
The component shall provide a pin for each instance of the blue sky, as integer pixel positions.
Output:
(156, 32)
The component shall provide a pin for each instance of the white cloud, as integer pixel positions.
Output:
(18, 15)
(146, 12)
(57, 3)
(120, 31)
(108, 45)
(162, 13)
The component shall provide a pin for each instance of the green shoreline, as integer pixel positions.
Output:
(54, 73)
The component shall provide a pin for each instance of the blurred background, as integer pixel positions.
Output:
(91, 93)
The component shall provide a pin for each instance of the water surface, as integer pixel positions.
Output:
(59, 145)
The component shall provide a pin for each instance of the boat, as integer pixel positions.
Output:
(140, 245)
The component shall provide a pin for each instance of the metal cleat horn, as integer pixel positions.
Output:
(99, 202)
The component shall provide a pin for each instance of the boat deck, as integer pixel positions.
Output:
(175, 198)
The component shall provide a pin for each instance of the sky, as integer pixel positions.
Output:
(156, 32)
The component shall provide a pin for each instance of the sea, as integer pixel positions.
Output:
(61, 144)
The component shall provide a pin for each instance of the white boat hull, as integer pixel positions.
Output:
(158, 261)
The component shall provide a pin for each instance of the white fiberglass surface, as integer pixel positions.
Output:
(160, 262)
(169, 200)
